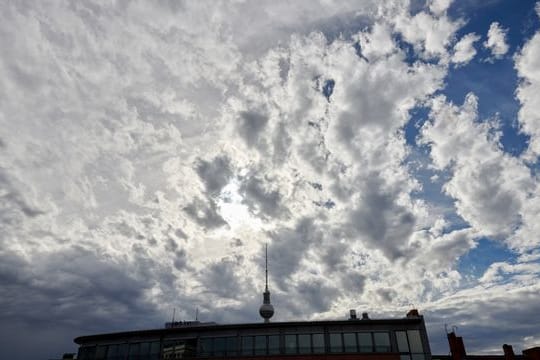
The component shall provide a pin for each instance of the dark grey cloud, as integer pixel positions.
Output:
(215, 173)
(251, 124)
(315, 296)
(284, 67)
(180, 234)
(67, 294)
(386, 295)
(181, 260)
(332, 255)
(221, 279)
(171, 245)
(382, 222)
(289, 246)
(282, 142)
(261, 197)
(353, 282)
(205, 213)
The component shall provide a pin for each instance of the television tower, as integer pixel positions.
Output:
(266, 310)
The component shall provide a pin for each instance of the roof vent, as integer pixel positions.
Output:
(352, 313)
(365, 316)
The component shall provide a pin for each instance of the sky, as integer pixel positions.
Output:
(387, 153)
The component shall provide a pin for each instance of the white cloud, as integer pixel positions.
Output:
(496, 40)
(438, 7)
(431, 35)
(492, 189)
(527, 64)
(464, 50)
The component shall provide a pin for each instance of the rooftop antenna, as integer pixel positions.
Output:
(173, 313)
(266, 310)
(196, 314)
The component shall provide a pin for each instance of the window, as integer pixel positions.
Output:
(232, 345)
(415, 341)
(382, 342)
(86, 353)
(101, 352)
(304, 343)
(318, 343)
(122, 351)
(260, 345)
(112, 352)
(155, 347)
(134, 350)
(219, 346)
(290, 344)
(336, 344)
(402, 343)
(410, 342)
(349, 342)
(144, 351)
(273, 344)
(365, 342)
(247, 345)
(205, 347)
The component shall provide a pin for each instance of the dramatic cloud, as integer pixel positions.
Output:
(150, 150)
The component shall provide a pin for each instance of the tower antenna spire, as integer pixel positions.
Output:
(266, 310)
(266, 266)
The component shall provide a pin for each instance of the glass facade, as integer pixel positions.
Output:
(408, 343)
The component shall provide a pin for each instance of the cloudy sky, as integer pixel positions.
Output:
(387, 153)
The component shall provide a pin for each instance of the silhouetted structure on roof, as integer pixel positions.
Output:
(457, 352)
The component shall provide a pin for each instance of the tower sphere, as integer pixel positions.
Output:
(266, 311)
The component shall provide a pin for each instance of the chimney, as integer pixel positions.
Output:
(413, 313)
(508, 352)
(457, 348)
(365, 316)
(352, 312)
